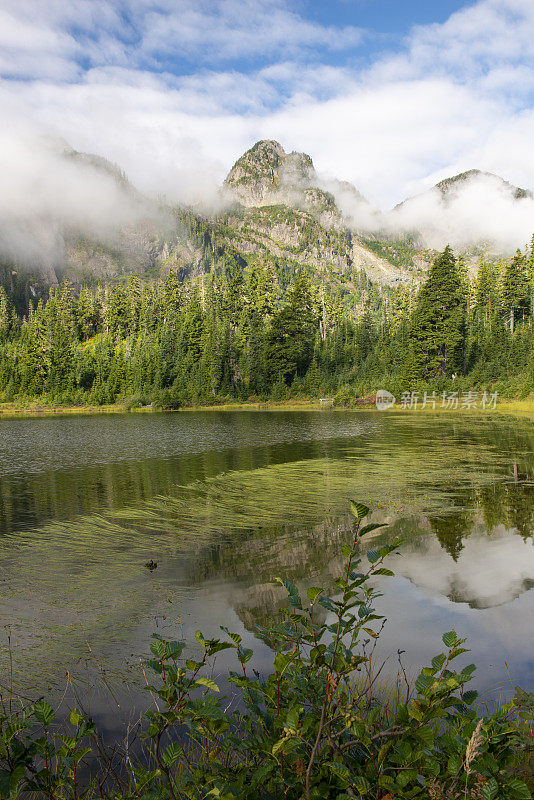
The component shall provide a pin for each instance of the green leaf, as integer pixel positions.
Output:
(414, 710)
(292, 719)
(174, 649)
(278, 745)
(469, 697)
(43, 712)
(373, 555)
(235, 637)
(426, 734)
(466, 672)
(208, 683)
(371, 527)
(362, 784)
(454, 764)
(158, 648)
(216, 648)
(340, 770)
(518, 789)
(449, 638)
(294, 597)
(245, 654)
(404, 777)
(281, 661)
(328, 603)
(490, 789)
(75, 718)
(313, 593)
(171, 754)
(383, 752)
(358, 509)
(424, 683)
(261, 773)
(438, 661)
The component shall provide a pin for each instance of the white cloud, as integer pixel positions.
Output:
(47, 188)
(457, 96)
(236, 29)
(491, 569)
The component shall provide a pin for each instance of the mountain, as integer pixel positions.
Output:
(450, 186)
(449, 189)
(277, 210)
(266, 174)
(281, 210)
(96, 227)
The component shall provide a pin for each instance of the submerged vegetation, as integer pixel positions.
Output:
(270, 330)
(317, 726)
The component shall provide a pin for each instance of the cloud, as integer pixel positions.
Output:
(480, 211)
(490, 570)
(48, 190)
(174, 91)
(152, 34)
(235, 29)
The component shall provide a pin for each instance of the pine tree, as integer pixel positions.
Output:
(290, 338)
(7, 317)
(516, 290)
(438, 325)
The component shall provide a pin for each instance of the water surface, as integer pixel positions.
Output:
(226, 501)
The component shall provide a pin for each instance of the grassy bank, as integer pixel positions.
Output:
(518, 407)
(13, 411)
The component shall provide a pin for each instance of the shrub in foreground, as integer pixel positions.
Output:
(312, 729)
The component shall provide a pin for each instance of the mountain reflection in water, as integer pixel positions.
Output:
(226, 501)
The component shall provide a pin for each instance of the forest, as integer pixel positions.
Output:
(259, 333)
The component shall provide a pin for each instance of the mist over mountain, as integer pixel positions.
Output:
(71, 215)
(472, 208)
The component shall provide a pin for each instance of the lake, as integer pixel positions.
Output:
(226, 501)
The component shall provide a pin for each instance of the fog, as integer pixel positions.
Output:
(481, 210)
(49, 190)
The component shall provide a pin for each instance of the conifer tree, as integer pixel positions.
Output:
(290, 338)
(438, 325)
(516, 290)
(7, 317)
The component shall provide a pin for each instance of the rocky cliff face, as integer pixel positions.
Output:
(278, 210)
(288, 213)
(266, 174)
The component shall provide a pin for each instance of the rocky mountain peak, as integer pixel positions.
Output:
(450, 185)
(267, 174)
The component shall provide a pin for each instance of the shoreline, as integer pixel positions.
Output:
(10, 411)
(522, 408)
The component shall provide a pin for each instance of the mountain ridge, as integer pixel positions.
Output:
(274, 208)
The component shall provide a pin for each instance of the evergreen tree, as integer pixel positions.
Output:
(516, 290)
(438, 325)
(291, 335)
(7, 316)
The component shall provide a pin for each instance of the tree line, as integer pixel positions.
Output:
(245, 334)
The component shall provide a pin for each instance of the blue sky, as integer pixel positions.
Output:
(386, 22)
(392, 95)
